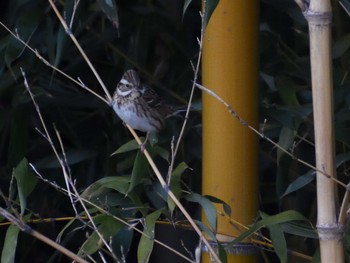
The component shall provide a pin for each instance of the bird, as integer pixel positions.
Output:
(140, 106)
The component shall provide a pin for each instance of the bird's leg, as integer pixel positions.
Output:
(143, 145)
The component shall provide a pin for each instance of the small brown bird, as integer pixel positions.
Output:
(140, 106)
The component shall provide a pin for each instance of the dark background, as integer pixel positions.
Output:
(159, 41)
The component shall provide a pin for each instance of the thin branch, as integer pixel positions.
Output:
(75, 7)
(174, 198)
(70, 184)
(245, 123)
(47, 63)
(75, 41)
(195, 77)
(18, 222)
(100, 209)
(67, 173)
(344, 207)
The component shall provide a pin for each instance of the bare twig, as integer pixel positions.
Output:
(63, 163)
(344, 7)
(174, 198)
(18, 222)
(75, 41)
(131, 225)
(47, 63)
(245, 123)
(75, 7)
(195, 77)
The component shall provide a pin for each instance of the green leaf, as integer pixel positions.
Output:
(109, 7)
(73, 157)
(209, 9)
(300, 182)
(216, 200)
(208, 207)
(10, 245)
(269, 80)
(206, 229)
(222, 253)
(342, 158)
(186, 4)
(317, 256)
(60, 44)
(122, 241)
(127, 147)
(26, 182)
(157, 150)
(66, 228)
(286, 140)
(286, 216)
(175, 185)
(287, 91)
(107, 227)
(139, 170)
(278, 240)
(118, 183)
(301, 229)
(146, 243)
(212, 237)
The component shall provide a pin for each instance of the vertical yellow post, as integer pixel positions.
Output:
(230, 150)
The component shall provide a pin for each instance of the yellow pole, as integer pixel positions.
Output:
(230, 150)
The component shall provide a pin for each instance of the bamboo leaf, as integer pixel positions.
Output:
(163, 153)
(127, 147)
(342, 158)
(269, 80)
(207, 231)
(300, 182)
(212, 237)
(299, 229)
(222, 253)
(139, 170)
(109, 7)
(73, 157)
(146, 243)
(317, 256)
(279, 242)
(26, 182)
(10, 245)
(286, 140)
(208, 208)
(122, 241)
(107, 227)
(186, 4)
(286, 216)
(118, 183)
(209, 9)
(175, 185)
(225, 206)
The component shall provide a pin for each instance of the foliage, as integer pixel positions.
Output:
(154, 38)
(158, 39)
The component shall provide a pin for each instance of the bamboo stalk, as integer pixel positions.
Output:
(319, 16)
(230, 69)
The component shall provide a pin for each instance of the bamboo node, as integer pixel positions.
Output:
(318, 18)
(242, 248)
(330, 231)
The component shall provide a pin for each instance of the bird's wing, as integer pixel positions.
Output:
(151, 97)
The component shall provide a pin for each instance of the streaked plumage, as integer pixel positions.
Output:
(139, 106)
